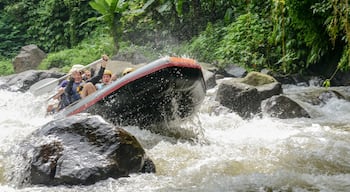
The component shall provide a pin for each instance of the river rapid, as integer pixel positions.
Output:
(230, 154)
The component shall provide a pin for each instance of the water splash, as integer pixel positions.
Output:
(260, 154)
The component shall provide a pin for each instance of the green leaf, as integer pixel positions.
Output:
(327, 83)
(100, 5)
(147, 4)
(228, 15)
(179, 7)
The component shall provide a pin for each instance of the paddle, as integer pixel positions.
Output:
(43, 86)
(49, 84)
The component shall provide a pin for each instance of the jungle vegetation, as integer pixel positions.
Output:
(284, 36)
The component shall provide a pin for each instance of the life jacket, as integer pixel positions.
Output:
(77, 88)
(67, 99)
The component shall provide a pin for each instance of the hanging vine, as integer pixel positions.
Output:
(278, 33)
(338, 28)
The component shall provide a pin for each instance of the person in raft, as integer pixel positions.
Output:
(127, 71)
(77, 88)
(106, 79)
(59, 101)
(87, 74)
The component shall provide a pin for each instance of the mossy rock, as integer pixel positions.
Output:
(257, 79)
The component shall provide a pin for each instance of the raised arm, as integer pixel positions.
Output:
(99, 75)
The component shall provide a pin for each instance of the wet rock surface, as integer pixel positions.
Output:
(81, 150)
(283, 107)
(244, 96)
(24, 80)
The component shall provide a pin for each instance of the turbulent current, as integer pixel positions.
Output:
(230, 154)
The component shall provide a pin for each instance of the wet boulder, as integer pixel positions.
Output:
(320, 96)
(234, 71)
(327, 95)
(283, 107)
(209, 78)
(239, 97)
(244, 95)
(81, 150)
(24, 80)
(209, 73)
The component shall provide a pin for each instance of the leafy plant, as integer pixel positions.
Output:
(11, 36)
(306, 26)
(204, 46)
(6, 67)
(245, 42)
(84, 53)
(50, 24)
(111, 11)
(338, 29)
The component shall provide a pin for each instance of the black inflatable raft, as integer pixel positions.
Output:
(165, 90)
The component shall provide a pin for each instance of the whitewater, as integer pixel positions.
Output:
(230, 153)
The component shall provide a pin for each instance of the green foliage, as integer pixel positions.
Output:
(245, 42)
(179, 20)
(345, 60)
(283, 40)
(326, 83)
(338, 28)
(58, 59)
(6, 67)
(299, 35)
(287, 36)
(11, 36)
(204, 46)
(50, 24)
(111, 11)
(308, 22)
(86, 52)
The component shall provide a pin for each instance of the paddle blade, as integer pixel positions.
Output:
(44, 86)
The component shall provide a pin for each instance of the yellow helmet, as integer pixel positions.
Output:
(128, 70)
(107, 72)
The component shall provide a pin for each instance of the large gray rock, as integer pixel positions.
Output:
(239, 97)
(81, 149)
(29, 57)
(268, 90)
(234, 71)
(209, 78)
(283, 107)
(319, 96)
(244, 95)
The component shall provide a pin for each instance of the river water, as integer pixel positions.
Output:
(231, 154)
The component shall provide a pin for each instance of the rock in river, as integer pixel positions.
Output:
(81, 150)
